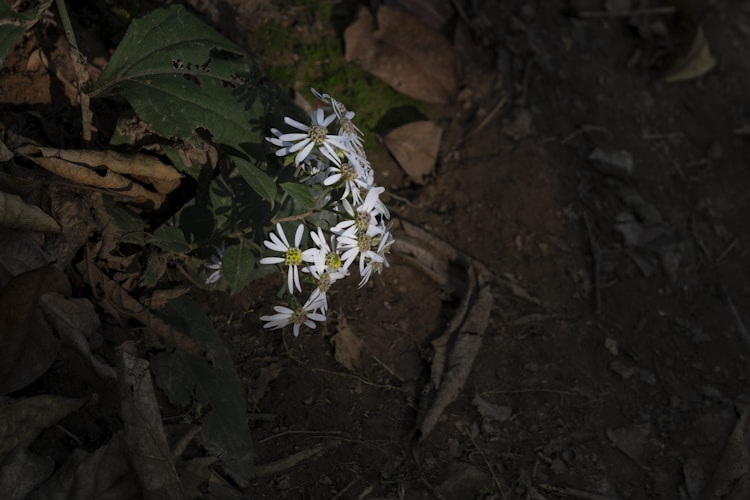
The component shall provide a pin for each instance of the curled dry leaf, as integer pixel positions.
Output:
(498, 413)
(415, 146)
(694, 63)
(144, 438)
(456, 349)
(405, 53)
(15, 214)
(21, 472)
(28, 345)
(348, 346)
(84, 167)
(23, 420)
(19, 252)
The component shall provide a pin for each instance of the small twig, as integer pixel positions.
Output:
(346, 488)
(573, 493)
(289, 218)
(656, 11)
(584, 129)
(524, 391)
(80, 69)
(490, 116)
(726, 251)
(596, 253)
(360, 379)
(736, 316)
(290, 432)
(388, 369)
(486, 461)
(286, 463)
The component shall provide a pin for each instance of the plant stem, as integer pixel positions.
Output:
(80, 69)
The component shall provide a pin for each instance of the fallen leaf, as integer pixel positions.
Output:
(415, 146)
(261, 385)
(498, 413)
(28, 345)
(103, 473)
(22, 471)
(348, 346)
(19, 252)
(632, 441)
(16, 214)
(144, 438)
(694, 63)
(456, 348)
(405, 53)
(730, 479)
(23, 420)
(84, 168)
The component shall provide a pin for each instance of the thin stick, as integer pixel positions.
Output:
(597, 255)
(571, 492)
(657, 11)
(80, 69)
(486, 462)
(490, 115)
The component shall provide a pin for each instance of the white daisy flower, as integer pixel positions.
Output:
(216, 265)
(365, 216)
(292, 254)
(384, 247)
(302, 315)
(311, 137)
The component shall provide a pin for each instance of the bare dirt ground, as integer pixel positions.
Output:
(615, 362)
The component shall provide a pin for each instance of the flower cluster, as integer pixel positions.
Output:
(328, 154)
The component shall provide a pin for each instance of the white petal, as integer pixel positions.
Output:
(298, 235)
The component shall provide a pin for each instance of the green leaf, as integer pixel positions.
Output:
(224, 430)
(155, 268)
(238, 266)
(180, 75)
(299, 193)
(13, 24)
(130, 225)
(261, 182)
(170, 239)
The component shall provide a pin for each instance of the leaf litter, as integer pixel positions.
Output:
(456, 348)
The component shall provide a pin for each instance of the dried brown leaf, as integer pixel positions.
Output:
(28, 345)
(407, 54)
(21, 472)
(456, 349)
(74, 321)
(19, 252)
(733, 469)
(23, 420)
(348, 347)
(16, 214)
(498, 413)
(119, 303)
(90, 174)
(103, 473)
(144, 439)
(415, 146)
(261, 385)
(694, 63)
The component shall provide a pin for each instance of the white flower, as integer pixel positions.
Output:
(384, 246)
(216, 264)
(301, 315)
(310, 137)
(365, 217)
(292, 254)
(349, 175)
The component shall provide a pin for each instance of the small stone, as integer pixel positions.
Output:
(558, 466)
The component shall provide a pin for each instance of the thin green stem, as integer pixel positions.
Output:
(80, 68)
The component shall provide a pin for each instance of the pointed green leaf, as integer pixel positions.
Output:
(13, 24)
(180, 75)
(238, 266)
(170, 239)
(299, 193)
(129, 223)
(261, 182)
(224, 431)
(155, 268)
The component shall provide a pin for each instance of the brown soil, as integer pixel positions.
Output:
(616, 355)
